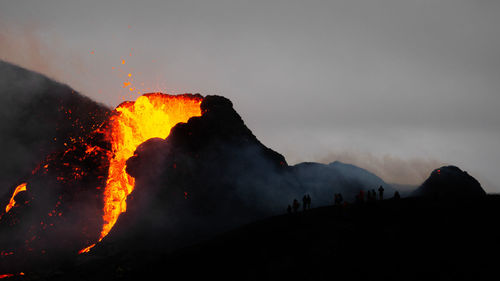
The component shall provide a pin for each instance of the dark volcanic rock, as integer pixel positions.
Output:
(46, 129)
(38, 116)
(210, 174)
(450, 182)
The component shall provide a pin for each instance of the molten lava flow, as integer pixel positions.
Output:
(150, 116)
(12, 202)
(10, 275)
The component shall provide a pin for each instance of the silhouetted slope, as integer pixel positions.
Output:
(408, 239)
(450, 182)
(38, 116)
(322, 181)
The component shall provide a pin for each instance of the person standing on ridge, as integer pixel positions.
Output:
(296, 205)
(381, 192)
(360, 198)
(396, 195)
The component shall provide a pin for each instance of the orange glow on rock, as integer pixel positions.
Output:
(12, 202)
(150, 116)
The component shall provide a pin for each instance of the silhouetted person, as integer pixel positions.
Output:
(381, 192)
(289, 209)
(338, 199)
(369, 196)
(304, 203)
(308, 202)
(396, 195)
(374, 194)
(360, 198)
(296, 205)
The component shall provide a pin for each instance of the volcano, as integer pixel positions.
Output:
(450, 182)
(75, 195)
(153, 175)
(181, 167)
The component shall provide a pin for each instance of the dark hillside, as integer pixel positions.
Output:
(407, 239)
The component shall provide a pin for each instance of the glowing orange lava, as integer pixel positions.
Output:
(10, 275)
(12, 202)
(150, 116)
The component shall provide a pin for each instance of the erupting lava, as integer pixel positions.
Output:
(10, 275)
(150, 116)
(12, 202)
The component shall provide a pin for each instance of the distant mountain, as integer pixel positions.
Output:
(323, 180)
(450, 182)
(38, 116)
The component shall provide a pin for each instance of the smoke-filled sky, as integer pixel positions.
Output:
(397, 87)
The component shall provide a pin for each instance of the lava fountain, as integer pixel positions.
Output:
(150, 116)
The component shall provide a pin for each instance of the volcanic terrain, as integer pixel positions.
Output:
(178, 186)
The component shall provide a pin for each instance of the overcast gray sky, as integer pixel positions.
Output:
(398, 87)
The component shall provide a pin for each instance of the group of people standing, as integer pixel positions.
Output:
(371, 195)
(306, 204)
(338, 199)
